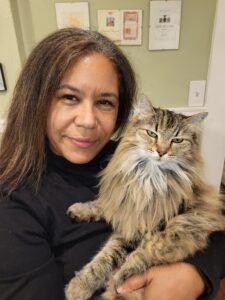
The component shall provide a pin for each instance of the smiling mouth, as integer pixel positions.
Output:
(83, 142)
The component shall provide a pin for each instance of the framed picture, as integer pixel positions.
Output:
(109, 24)
(122, 26)
(164, 26)
(131, 33)
(72, 14)
(2, 80)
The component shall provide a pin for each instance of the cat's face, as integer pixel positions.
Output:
(167, 136)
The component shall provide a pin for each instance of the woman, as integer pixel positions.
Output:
(75, 91)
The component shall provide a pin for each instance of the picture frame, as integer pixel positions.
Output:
(164, 24)
(2, 80)
(122, 26)
(109, 24)
(72, 14)
(131, 33)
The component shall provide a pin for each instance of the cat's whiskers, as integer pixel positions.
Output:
(149, 150)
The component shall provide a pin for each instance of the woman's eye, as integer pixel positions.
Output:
(177, 140)
(151, 133)
(70, 98)
(104, 103)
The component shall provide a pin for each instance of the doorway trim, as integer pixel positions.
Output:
(213, 140)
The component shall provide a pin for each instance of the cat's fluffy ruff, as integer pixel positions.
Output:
(154, 196)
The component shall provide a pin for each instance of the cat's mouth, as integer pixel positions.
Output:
(159, 158)
(154, 155)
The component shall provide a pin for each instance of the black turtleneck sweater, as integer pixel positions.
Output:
(41, 247)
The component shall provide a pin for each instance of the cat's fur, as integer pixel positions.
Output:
(153, 194)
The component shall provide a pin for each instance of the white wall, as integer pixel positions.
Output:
(213, 143)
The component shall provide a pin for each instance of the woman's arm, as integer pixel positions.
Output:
(211, 263)
(28, 269)
(198, 277)
(167, 282)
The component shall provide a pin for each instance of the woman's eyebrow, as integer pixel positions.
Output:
(70, 87)
(108, 94)
(74, 89)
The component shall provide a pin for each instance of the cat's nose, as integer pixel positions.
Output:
(161, 151)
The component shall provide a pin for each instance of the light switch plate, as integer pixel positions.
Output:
(196, 93)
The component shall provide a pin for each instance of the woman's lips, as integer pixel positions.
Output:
(82, 142)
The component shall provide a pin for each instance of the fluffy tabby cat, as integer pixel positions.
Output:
(153, 194)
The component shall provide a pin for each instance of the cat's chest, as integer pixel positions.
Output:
(139, 212)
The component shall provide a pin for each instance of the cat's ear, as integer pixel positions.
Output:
(143, 106)
(197, 118)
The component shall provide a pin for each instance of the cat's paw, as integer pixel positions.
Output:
(75, 291)
(77, 212)
(122, 275)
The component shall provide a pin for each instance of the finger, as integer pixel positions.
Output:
(133, 283)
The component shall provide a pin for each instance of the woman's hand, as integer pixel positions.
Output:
(167, 282)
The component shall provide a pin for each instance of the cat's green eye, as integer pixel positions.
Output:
(177, 140)
(151, 133)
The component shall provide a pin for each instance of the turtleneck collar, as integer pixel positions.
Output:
(94, 166)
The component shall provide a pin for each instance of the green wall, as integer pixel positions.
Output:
(9, 54)
(163, 75)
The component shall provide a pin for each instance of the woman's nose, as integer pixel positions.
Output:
(86, 117)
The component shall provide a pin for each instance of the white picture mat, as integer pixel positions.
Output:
(109, 24)
(72, 14)
(164, 27)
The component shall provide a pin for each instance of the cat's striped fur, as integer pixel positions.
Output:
(153, 194)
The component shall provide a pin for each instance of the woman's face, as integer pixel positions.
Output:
(83, 112)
